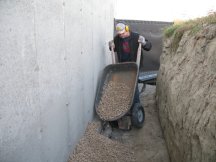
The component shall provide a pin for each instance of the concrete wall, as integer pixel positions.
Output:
(51, 54)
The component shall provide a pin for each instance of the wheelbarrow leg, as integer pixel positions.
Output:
(124, 123)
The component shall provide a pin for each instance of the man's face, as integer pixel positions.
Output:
(124, 34)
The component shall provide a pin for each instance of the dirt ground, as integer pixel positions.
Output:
(145, 145)
(148, 142)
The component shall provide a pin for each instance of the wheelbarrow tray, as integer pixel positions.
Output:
(125, 73)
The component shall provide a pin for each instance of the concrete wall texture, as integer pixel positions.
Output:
(51, 54)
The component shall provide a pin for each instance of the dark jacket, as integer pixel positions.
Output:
(133, 43)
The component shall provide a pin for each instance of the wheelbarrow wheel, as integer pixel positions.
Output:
(138, 115)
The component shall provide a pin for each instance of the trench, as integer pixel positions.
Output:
(146, 144)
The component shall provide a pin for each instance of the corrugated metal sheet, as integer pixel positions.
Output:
(151, 30)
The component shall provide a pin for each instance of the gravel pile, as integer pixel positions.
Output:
(94, 147)
(115, 101)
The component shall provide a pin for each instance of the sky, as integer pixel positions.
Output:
(164, 10)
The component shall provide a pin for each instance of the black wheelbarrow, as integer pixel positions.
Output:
(115, 94)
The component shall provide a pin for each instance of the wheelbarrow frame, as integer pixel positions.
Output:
(126, 73)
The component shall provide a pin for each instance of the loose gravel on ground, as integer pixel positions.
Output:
(94, 147)
(137, 145)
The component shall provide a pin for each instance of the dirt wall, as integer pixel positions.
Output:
(186, 96)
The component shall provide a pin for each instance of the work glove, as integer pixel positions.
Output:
(142, 40)
(111, 44)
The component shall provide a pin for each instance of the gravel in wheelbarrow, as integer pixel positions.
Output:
(115, 93)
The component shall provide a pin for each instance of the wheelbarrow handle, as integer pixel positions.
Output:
(139, 54)
(113, 55)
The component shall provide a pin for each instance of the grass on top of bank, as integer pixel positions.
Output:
(193, 25)
(179, 27)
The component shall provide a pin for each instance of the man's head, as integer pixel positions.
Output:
(122, 30)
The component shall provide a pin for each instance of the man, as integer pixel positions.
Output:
(126, 44)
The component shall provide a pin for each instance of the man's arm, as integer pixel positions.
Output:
(146, 45)
(111, 45)
(114, 43)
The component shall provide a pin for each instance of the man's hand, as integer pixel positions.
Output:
(111, 44)
(142, 40)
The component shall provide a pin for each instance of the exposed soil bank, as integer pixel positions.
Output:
(186, 94)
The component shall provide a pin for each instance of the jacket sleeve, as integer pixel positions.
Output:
(116, 44)
(147, 46)
(116, 40)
